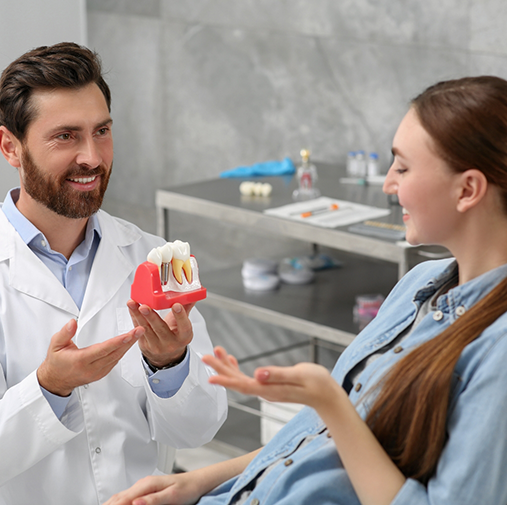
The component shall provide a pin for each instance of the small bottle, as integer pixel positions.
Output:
(351, 164)
(307, 175)
(361, 165)
(373, 165)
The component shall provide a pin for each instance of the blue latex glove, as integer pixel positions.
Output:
(284, 167)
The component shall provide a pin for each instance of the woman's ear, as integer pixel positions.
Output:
(473, 187)
(10, 147)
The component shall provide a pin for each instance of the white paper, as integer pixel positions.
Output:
(347, 212)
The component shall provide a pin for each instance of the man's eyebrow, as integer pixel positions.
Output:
(76, 128)
(107, 122)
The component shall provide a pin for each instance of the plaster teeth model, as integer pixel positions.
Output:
(181, 261)
(249, 188)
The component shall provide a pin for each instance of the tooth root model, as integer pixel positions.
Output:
(169, 275)
(181, 261)
(175, 254)
(173, 257)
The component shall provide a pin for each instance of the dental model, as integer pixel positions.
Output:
(176, 266)
(166, 253)
(169, 275)
(181, 260)
(249, 188)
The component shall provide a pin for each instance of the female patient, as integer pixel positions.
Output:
(415, 410)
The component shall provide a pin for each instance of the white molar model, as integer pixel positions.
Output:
(178, 270)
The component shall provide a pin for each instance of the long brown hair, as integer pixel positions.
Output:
(467, 120)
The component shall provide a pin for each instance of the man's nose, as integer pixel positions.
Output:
(89, 154)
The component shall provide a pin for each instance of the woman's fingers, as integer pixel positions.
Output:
(301, 383)
(279, 375)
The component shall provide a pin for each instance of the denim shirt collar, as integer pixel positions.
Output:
(436, 283)
(465, 295)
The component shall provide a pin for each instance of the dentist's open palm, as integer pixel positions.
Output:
(66, 366)
(306, 383)
(164, 340)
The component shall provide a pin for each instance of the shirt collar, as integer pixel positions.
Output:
(472, 291)
(434, 284)
(29, 233)
(464, 294)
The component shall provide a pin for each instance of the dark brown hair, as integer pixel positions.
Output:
(64, 65)
(467, 120)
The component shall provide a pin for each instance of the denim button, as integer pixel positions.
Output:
(460, 310)
(288, 462)
(398, 349)
(358, 387)
(438, 315)
(255, 501)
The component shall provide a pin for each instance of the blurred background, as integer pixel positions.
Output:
(201, 86)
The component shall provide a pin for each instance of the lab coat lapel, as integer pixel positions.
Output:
(27, 273)
(111, 268)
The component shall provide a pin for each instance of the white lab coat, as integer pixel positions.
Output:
(107, 437)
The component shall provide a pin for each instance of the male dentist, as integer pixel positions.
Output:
(85, 395)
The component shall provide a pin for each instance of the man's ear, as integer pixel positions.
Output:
(10, 147)
(473, 187)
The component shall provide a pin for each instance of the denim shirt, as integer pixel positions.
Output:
(472, 466)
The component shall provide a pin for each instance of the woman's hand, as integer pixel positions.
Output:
(306, 383)
(375, 477)
(176, 489)
(182, 488)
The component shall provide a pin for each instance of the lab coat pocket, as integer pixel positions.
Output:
(131, 367)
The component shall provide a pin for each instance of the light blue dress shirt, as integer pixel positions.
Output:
(74, 274)
(471, 468)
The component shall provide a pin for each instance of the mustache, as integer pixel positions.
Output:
(80, 171)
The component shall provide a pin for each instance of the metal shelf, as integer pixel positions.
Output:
(322, 309)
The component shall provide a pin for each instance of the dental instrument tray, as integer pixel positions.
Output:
(169, 276)
(327, 212)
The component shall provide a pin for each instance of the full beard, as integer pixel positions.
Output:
(60, 197)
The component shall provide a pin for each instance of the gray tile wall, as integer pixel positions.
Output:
(201, 86)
